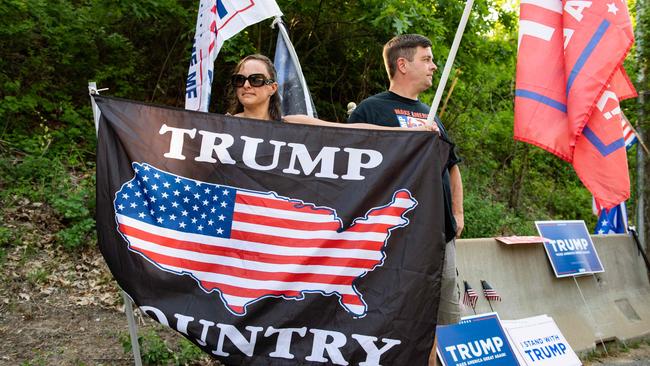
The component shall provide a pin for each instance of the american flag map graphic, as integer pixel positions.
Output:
(248, 245)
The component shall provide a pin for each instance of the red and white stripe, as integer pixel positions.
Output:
(491, 295)
(470, 298)
(277, 248)
(628, 131)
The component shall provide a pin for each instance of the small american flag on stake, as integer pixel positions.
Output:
(470, 297)
(489, 292)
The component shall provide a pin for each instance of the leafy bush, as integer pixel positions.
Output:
(486, 217)
(188, 353)
(80, 234)
(48, 180)
(154, 350)
(6, 238)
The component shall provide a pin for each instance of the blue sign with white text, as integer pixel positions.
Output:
(569, 248)
(477, 341)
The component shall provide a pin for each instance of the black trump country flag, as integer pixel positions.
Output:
(271, 243)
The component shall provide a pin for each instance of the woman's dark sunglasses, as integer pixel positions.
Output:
(255, 80)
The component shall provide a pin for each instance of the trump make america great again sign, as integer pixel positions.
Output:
(271, 243)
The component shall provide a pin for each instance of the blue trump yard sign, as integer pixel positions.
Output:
(475, 341)
(569, 248)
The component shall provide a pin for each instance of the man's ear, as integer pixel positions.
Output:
(401, 65)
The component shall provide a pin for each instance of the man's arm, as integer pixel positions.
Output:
(456, 183)
(306, 120)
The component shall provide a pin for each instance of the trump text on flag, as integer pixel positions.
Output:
(213, 143)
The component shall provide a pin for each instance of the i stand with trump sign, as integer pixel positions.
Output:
(539, 342)
(569, 248)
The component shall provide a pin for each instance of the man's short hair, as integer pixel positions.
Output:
(405, 46)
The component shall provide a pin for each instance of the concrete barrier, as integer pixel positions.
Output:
(618, 299)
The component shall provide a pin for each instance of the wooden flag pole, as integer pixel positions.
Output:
(451, 90)
(638, 137)
(450, 61)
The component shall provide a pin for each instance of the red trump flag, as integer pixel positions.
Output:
(569, 82)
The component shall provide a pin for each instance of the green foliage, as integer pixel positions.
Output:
(489, 218)
(140, 50)
(154, 350)
(33, 177)
(78, 234)
(609, 349)
(38, 275)
(48, 52)
(6, 238)
(49, 180)
(187, 352)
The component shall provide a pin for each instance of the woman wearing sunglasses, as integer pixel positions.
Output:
(254, 89)
(254, 95)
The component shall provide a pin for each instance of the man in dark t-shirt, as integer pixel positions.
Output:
(392, 110)
(409, 63)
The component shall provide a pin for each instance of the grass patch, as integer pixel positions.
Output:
(156, 350)
(38, 275)
(612, 348)
(67, 191)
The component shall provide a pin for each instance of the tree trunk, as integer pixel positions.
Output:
(643, 62)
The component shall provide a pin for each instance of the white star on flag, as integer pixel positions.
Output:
(611, 8)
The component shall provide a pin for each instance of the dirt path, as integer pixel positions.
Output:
(59, 308)
(52, 333)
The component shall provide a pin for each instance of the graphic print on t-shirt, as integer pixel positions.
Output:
(410, 119)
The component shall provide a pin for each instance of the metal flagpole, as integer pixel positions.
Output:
(292, 52)
(490, 303)
(128, 304)
(133, 328)
(591, 315)
(92, 90)
(450, 61)
(639, 246)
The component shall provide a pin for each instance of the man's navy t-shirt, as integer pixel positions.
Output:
(392, 110)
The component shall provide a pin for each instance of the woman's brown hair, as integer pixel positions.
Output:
(274, 103)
